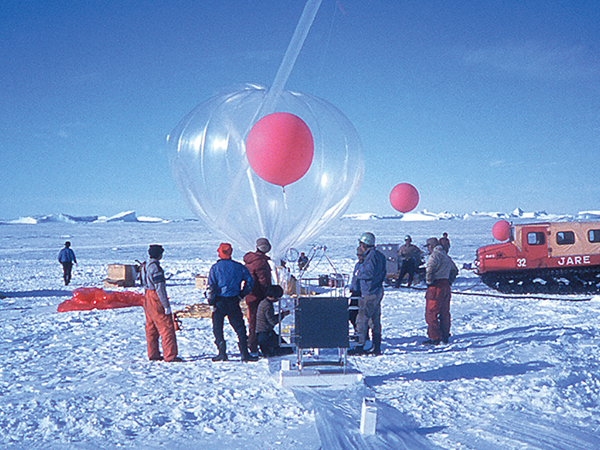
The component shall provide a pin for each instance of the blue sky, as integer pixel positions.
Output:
(481, 105)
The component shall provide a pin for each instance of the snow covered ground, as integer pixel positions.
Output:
(517, 374)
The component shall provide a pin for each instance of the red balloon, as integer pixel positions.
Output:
(501, 230)
(280, 148)
(404, 197)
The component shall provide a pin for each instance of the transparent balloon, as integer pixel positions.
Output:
(209, 164)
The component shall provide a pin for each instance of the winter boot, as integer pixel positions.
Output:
(246, 356)
(376, 349)
(358, 350)
(222, 356)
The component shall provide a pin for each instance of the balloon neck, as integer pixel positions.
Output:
(285, 204)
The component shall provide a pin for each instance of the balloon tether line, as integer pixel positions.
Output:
(285, 69)
(291, 54)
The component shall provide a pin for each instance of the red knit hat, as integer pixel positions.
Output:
(225, 250)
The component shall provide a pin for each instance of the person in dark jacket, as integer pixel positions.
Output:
(228, 282)
(257, 264)
(370, 275)
(410, 258)
(445, 242)
(302, 262)
(266, 319)
(67, 258)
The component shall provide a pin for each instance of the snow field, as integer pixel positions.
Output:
(517, 374)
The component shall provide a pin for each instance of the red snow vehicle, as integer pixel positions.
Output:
(552, 257)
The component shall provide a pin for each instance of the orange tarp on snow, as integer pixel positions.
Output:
(95, 298)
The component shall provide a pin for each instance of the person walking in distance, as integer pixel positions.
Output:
(67, 258)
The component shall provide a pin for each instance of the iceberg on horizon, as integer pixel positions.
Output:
(125, 216)
(66, 218)
(24, 220)
(407, 217)
(424, 215)
(361, 216)
(54, 218)
(589, 215)
(152, 219)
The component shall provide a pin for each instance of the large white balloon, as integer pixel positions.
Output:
(209, 164)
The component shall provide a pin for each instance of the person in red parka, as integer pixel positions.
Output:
(257, 264)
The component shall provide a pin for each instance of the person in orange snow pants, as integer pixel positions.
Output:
(159, 317)
(159, 324)
(437, 310)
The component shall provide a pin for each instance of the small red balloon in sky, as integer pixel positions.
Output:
(501, 230)
(280, 148)
(404, 197)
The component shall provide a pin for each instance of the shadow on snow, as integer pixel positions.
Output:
(469, 371)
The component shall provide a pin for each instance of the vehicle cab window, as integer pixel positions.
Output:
(594, 235)
(565, 238)
(536, 238)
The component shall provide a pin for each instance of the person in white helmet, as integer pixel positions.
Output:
(370, 276)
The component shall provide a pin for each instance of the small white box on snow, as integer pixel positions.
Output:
(368, 416)
(201, 282)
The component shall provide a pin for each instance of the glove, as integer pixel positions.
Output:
(168, 311)
(176, 322)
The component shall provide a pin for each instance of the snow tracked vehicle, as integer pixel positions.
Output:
(553, 257)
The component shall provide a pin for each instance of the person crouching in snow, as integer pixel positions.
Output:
(224, 294)
(266, 319)
(159, 317)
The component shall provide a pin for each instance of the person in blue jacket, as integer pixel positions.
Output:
(228, 282)
(370, 275)
(67, 258)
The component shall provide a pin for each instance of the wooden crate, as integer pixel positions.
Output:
(108, 283)
(120, 275)
(121, 272)
(201, 282)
